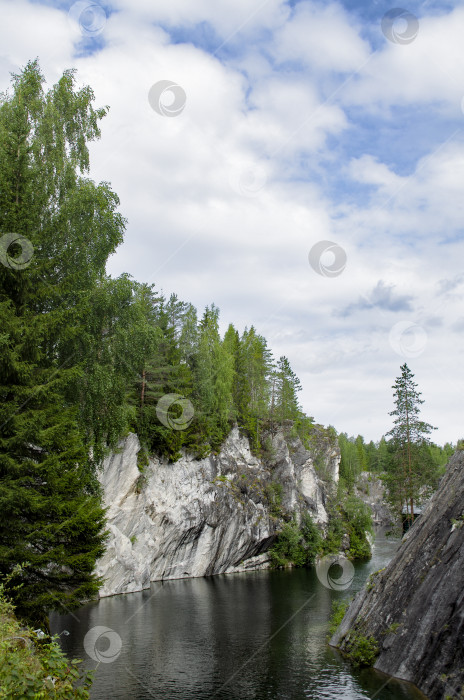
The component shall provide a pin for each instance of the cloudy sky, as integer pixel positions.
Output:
(300, 164)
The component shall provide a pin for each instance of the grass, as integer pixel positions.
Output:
(339, 608)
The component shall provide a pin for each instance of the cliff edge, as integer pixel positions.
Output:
(414, 608)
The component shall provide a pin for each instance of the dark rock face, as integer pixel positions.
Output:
(415, 607)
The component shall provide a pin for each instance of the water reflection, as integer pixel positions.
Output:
(260, 636)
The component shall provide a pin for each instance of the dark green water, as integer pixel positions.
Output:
(260, 635)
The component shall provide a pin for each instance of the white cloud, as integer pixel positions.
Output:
(231, 17)
(225, 200)
(369, 171)
(323, 37)
(426, 71)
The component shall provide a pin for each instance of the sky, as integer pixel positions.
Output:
(299, 164)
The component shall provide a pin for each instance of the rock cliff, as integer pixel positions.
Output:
(414, 608)
(370, 489)
(198, 517)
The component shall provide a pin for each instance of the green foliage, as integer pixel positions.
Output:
(362, 651)
(143, 459)
(335, 529)
(393, 628)
(358, 521)
(348, 514)
(226, 380)
(31, 667)
(297, 546)
(357, 457)
(274, 492)
(412, 473)
(287, 386)
(311, 538)
(59, 379)
(287, 549)
(339, 608)
(254, 391)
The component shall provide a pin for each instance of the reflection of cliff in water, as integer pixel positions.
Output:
(256, 635)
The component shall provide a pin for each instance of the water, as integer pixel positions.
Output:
(259, 635)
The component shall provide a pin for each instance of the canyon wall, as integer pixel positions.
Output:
(220, 514)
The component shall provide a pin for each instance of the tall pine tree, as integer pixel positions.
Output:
(412, 470)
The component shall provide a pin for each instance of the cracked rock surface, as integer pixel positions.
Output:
(197, 517)
(414, 608)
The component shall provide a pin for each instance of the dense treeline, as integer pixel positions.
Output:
(382, 459)
(221, 381)
(358, 456)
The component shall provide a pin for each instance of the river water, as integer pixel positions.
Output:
(253, 636)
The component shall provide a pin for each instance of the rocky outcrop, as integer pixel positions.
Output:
(414, 608)
(198, 517)
(370, 489)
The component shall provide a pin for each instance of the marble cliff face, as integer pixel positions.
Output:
(197, 517)
(414, 608)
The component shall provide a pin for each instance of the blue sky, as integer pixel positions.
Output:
(297, 123)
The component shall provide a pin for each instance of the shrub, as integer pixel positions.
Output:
(287, 549)
(312, 539)
(296, 545)
(31, 667)
(362, 651)
(273, 493)
(352, 516)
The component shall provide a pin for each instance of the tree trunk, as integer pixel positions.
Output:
(142, 395)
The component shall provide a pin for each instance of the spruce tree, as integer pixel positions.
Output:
(286, 395)
(412, 469)
(52, 519)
